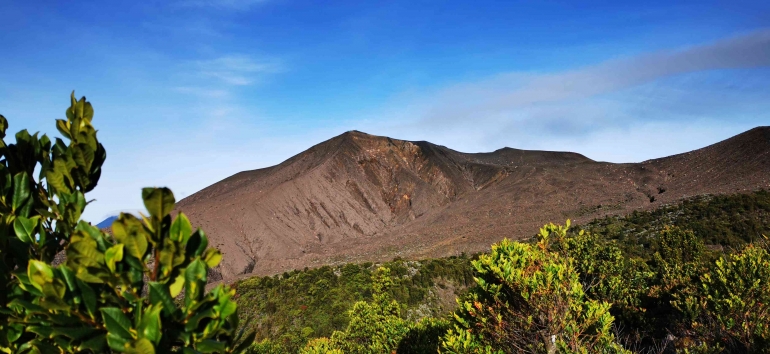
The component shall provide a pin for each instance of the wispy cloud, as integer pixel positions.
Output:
(238, 70)
(512, 91)
(222, 4)
(202, 92)
(621, 110)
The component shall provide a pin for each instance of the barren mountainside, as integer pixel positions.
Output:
(359, 197)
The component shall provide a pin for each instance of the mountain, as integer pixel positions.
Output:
(107, 223)
(359, 197)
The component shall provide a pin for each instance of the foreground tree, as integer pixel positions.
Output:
(113, 293)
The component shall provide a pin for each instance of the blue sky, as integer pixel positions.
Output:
(189, 92)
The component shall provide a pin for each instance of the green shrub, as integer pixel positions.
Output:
(730, 308)
(320, 346)
(423, 336)
(266, 347)
(529, 299)
(374, 327)
(607, 275)
(113, 294)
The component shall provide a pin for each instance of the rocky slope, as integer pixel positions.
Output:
(358, 197)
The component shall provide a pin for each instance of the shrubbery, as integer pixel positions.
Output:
(529, 299)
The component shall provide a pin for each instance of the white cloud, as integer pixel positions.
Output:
(202, 92)
(510, 91)
(621, 110)
(221, 4)
(237, 70)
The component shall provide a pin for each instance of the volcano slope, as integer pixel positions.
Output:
(359, 197)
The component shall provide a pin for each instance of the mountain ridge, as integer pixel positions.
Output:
(367, 198)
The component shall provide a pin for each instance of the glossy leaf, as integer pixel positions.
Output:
(113, 255)
(210, 346)
(25, 228)
(158, 201)
(117, 323)
(129, 231)
(21, 190)
(181, 229)
(159, 296)
(150, 326)
(212, 257)
(39, 274)
(142, 346)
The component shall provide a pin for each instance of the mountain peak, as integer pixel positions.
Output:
(362, 197)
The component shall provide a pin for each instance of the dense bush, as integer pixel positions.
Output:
(375, 326)
(729, 308)
(529, 299)
(113, 293)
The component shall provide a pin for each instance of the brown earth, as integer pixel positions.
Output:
(359, 197)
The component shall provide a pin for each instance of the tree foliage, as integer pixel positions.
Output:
(113, 293)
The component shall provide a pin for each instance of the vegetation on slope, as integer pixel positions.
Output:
(722, 221)
(647, 271)
(291, 308)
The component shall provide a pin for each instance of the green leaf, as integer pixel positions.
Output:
(74, 333)
(245, 343)
(25, 228)
(150, 326)
(181, 229)
(3, 126)
(96, 344)
(118, 343)
(14, 331)
(129, 231)
(58, 176)
(83, 250)
(210, 346)
(197, 244)
(88, 296)
(159, 296)
(158, 201)
(142, 346)
(69, 278)
(113, 255)
(117, 323)
(166, 257)
(212, 257)
(63, 127)
(176, 287)
(21, 190)
(39, 273)
(195, 279)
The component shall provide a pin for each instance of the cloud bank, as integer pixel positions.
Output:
(516, 90)
(621, 110)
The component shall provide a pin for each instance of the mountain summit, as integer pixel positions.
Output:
(360, 197)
